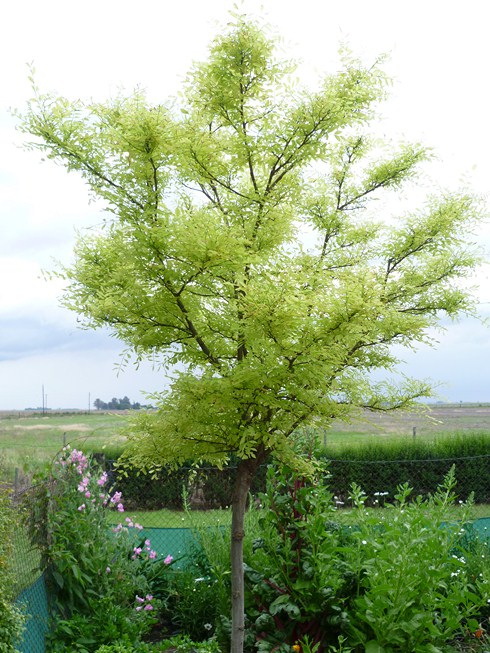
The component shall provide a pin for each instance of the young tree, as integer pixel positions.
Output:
(244, 251)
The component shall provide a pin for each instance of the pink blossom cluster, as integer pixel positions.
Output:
(144, 603)
(79, 461)
(138, 550)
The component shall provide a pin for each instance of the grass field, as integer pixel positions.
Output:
(27, 440)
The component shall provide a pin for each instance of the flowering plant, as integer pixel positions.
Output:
(92, 569)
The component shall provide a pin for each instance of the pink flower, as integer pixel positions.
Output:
(168, 560)
(107, 570)
(137, 550)
(120, 507)
(138, 526)
(138, 608)
(139, 599)
(148, 607)
(116, 497)
(87, 494)
(82, 507)
(152, 555)
(103, 479)
(147, 542)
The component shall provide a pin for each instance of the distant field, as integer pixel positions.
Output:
(26, 439)
(438, 421)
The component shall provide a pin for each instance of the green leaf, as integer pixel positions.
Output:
(59, 579)
(373, 647)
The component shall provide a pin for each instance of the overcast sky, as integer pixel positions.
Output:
(439, 57)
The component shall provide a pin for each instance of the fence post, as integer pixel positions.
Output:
(64, 439)
(16, 480)
(414, 432)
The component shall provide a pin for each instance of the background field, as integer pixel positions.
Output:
(30, 439)
(27, 440)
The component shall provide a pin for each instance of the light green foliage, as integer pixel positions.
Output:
(12, 619)
(205, 262)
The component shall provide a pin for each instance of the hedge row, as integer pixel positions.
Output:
(378, 469)
(199, 488)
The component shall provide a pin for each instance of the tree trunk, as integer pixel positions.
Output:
(246, 472)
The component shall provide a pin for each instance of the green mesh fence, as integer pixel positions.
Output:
(34, 600)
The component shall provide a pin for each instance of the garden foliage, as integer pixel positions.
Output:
(100, 579)
(403, 579)
(408, 578)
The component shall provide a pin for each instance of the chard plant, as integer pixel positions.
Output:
(407, 578)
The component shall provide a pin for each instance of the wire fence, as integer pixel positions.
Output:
(171, 507)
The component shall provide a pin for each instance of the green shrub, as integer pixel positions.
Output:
(176, 644)
(400, 580)
(12, 618)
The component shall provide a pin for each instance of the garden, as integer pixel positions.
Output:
(412, 576)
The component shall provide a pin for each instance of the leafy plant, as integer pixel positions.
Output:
(297, 578)
(12, 618)
(402, 579)
(414, 590)
(100, 578)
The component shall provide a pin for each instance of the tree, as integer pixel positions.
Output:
(243, 251)
(99, 404)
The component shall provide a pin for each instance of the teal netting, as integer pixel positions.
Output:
(34, 600)
(177, 542)
(482, 527)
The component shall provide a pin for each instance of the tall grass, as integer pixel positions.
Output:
(443, 445)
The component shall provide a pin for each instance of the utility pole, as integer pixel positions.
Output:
(89, 403)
